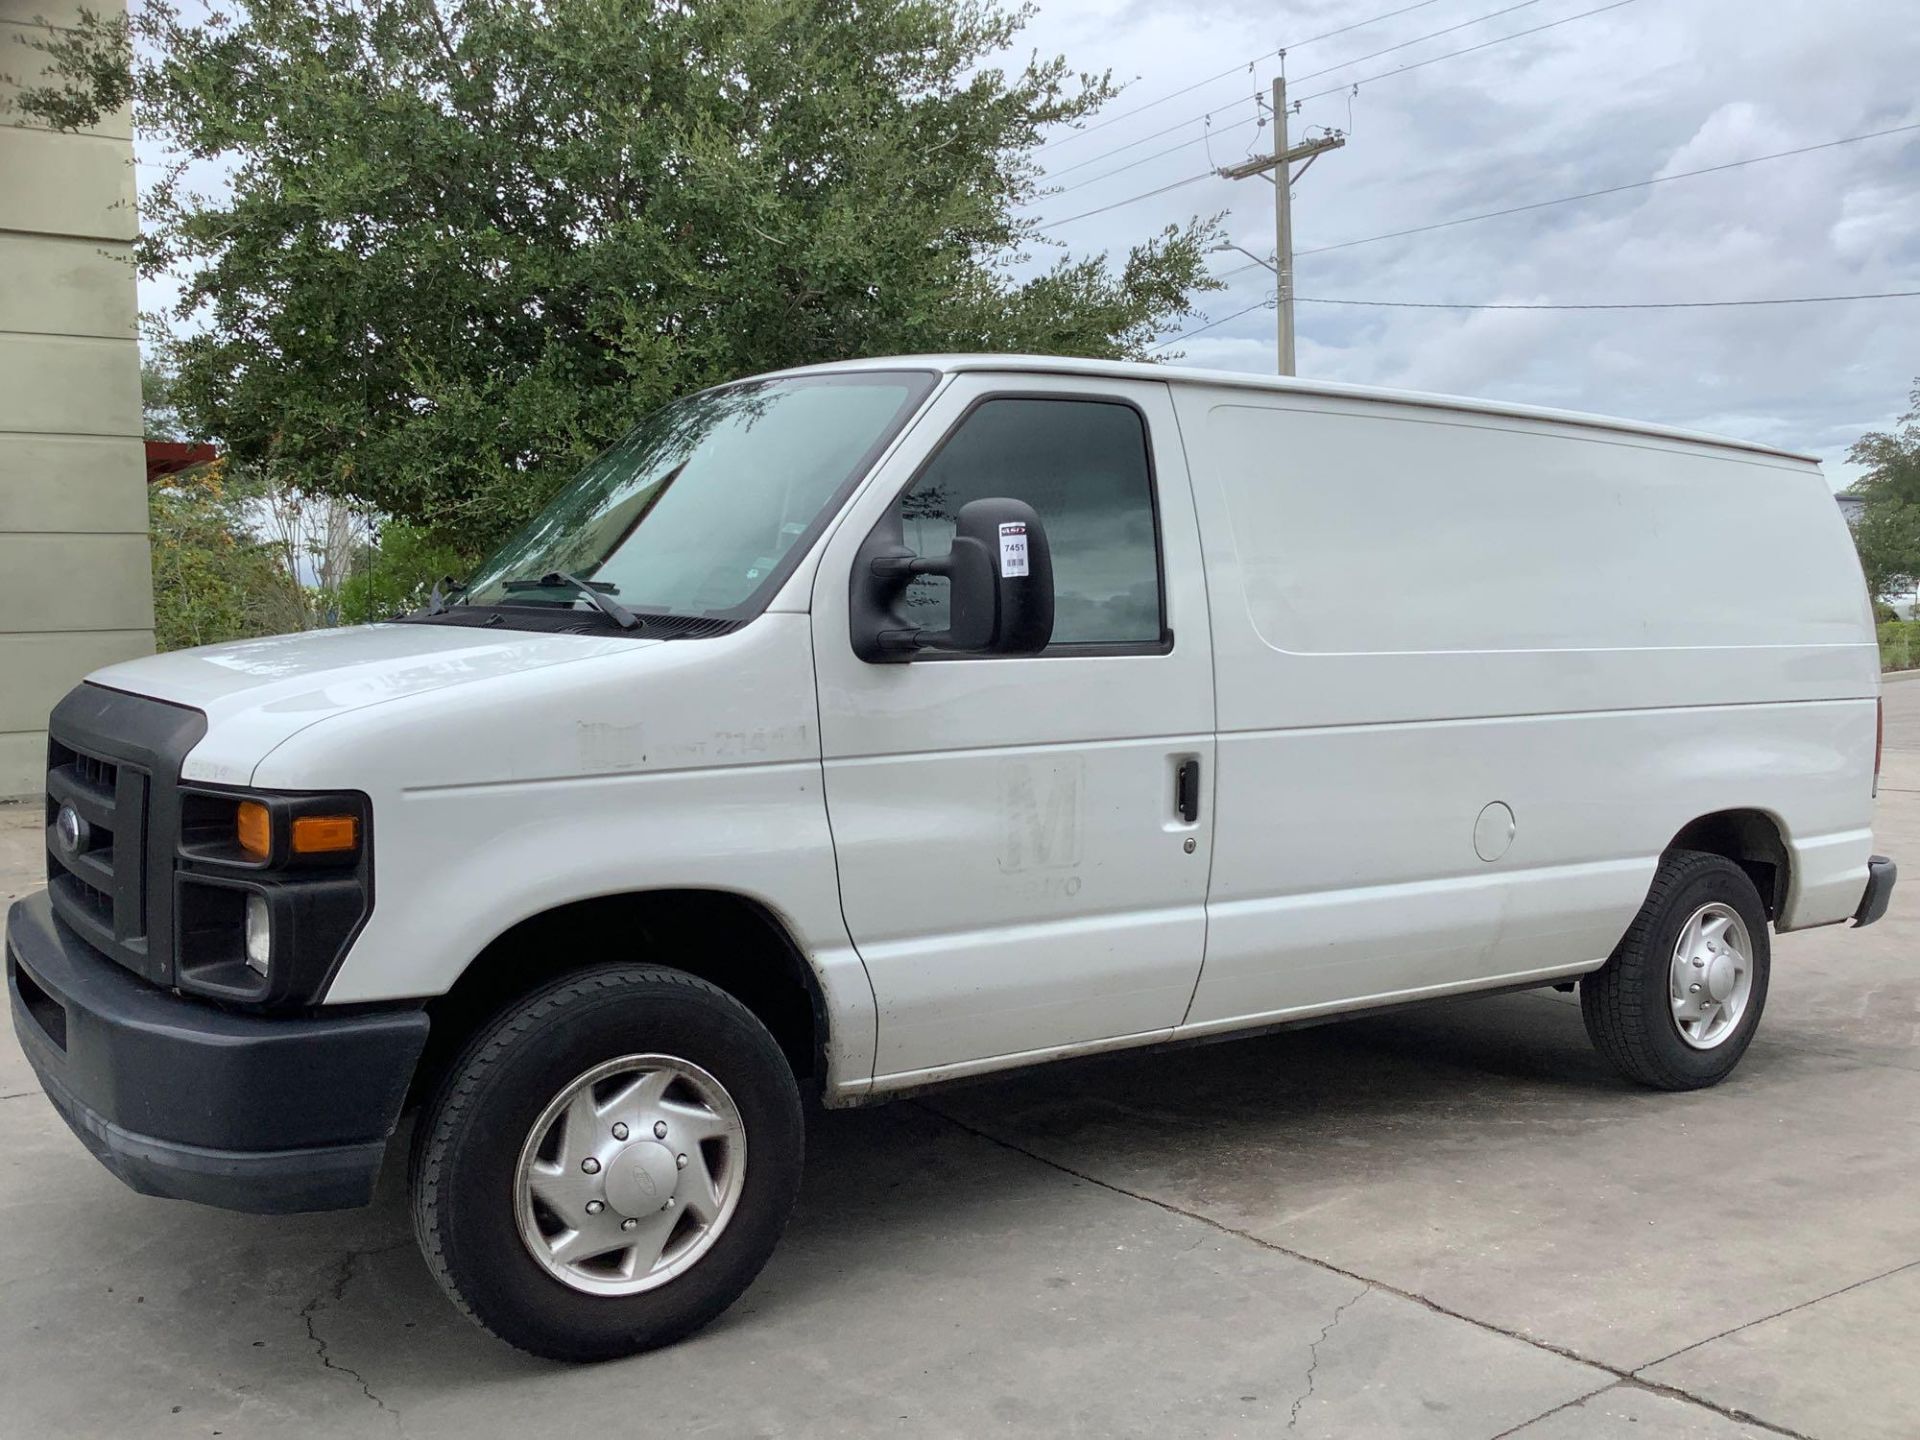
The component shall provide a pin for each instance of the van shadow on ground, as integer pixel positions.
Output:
(1364, 1100)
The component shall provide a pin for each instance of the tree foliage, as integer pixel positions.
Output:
(466, 243)
(1888, 530)
(214, 579)
(397, 573)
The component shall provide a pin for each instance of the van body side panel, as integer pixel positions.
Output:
(684, 764)
(1347, 863)
(1425, 623)
(1011, 865)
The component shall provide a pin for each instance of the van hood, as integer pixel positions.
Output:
(258, 693)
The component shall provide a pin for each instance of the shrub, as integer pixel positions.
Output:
(214, 579)
(1899, 644)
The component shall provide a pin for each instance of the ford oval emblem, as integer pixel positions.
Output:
(70, 830)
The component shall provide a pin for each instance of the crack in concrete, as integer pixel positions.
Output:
(335, 1293)
(1313, 1353)
(1763, 1319)
(1563, 1405)
(1564, 1352)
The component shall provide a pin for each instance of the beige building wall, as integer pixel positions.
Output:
(76, 590)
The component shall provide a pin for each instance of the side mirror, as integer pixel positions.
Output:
(999, 577)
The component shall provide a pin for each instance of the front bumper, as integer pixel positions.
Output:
(182, 1099)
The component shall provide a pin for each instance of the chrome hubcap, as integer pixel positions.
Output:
(630, 1174)
(1711, 977)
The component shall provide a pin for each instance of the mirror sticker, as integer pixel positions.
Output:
(1013, 549)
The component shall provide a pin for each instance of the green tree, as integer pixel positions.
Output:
(156, 400)
(397, 573)
(466, 243)
(1888, 530)
(214, 579)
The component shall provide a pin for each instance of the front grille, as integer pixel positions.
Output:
(114, 759)
(91, 770)
(98, 884)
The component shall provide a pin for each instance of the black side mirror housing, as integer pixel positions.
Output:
(999, 577)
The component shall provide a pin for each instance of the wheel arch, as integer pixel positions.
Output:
(729, 939)
(1753, 839)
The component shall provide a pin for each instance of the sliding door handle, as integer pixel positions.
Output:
(1186, 791)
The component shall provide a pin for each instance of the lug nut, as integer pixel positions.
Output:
(590, 1165)
(594, 1207)
(1693, 989)
(629, 1224)
(659, 1129)
(681, 1161)
(669, 1204)
(619, 1132)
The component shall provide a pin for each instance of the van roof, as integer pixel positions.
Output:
(1285, 385)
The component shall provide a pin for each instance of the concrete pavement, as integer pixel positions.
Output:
(1449, 1222)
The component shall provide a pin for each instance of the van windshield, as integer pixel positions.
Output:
(704, 507)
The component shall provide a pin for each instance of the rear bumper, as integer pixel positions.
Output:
(182, 1099)
(1881, 873)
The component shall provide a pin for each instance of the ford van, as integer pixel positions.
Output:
(851, 730)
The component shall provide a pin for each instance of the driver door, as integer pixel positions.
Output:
(1015, 867)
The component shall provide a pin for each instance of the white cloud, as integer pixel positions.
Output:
(1651, 89)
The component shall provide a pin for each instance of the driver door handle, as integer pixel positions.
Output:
(1186, 791)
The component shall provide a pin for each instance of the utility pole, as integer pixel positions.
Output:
(1278, 168)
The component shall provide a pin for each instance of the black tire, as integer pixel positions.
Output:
(467, 1147)
(1626, 1003)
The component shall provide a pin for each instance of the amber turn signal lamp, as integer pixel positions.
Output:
(325, 834)
(254, 830)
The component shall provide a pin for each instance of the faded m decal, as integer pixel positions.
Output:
(1040, 814)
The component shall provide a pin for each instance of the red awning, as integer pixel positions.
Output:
(170, 457)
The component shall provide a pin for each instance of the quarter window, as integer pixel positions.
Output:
(1082, 465)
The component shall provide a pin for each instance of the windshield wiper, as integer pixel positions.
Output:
(594, 595)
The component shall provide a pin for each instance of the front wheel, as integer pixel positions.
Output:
(609, 1164)
(1677, 1002)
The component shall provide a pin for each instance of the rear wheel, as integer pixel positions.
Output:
(1677, 1002)
(609, 1164)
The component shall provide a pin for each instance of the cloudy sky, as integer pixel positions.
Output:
(1650, 88)
(1645, 89)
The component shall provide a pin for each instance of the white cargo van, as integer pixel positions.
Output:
(854, 729)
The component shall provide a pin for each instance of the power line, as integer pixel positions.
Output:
(1159, 134)
(1101, 210)
(1406, 44)
(1448, 305)
(1205, 114)
(1144, 159)
(1468, 50)
(1312, 75)
(1609, 190)
(1235, 70)
(1634, 305)
(1136, 164)
(1212, 324)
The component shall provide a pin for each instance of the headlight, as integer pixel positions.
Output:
(269, 889)
(259, 935)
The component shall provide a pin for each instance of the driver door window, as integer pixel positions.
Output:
(1083, 466)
